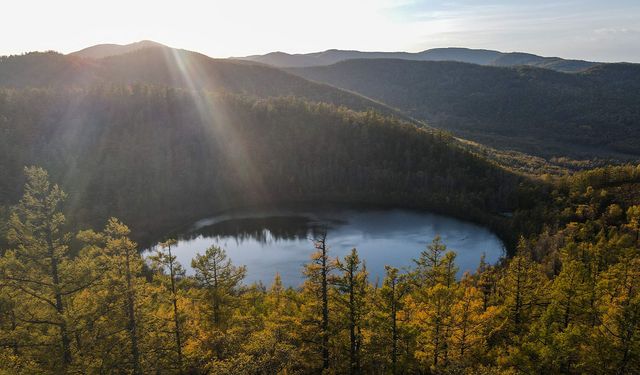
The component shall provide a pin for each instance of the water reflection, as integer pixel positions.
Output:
(280, 241)
(264, 230)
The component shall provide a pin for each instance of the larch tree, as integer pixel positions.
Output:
(117, 294)
(352, 287)
(41, 271)
(316, 289)
(523, 289)
(435, 294)
(387, 321)
(168, 266)
(215, 273)
(616, 337)
(472, 325)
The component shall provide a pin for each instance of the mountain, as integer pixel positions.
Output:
(474, 56)
(158, 157)
(106, 50)
(595, 113)
(161, 136)
(160, 65)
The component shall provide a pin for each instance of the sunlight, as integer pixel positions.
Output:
(364, 187)
(219, 125)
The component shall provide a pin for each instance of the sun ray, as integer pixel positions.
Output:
(210, 101)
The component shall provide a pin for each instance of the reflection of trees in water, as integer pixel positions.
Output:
(265, 229)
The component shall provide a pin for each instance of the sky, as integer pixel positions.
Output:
(585, 29)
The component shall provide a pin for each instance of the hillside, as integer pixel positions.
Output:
(159, 157)
(595, 113)
(100, 51)
(171, 67)
(474, 56)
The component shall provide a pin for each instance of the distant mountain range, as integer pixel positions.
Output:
(100, 51)
(332, 56)
(163, 66)
(592, 112)
(537, 111)
(474, 56)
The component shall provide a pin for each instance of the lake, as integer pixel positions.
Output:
(270, 241)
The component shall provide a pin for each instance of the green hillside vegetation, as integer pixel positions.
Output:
(566, 303)
(158, 157)
(467, 55)
(164, 66)
(157, 138)
(537, 111)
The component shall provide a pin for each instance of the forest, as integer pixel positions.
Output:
(87, 302)
(468, 55)
(100, 159)
(121, 150)
(168, 67)
(532, 110)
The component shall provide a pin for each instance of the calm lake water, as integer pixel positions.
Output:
(270, 241)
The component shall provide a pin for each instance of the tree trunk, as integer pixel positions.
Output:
(394, 329)
(325, 306)
(64, 335)
(175, 311)
(132, 326)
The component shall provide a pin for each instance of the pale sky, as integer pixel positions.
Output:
(587, 29)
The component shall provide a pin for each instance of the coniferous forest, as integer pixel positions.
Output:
(153, 158)
(566, 301)
(107, 152)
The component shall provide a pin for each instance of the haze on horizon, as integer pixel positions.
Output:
(587, 29)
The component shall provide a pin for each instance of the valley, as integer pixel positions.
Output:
(452, 211)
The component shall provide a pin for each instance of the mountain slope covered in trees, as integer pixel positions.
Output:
(165, 66)
(468, 55)
(160, 143)
(566, 303)
(538, 111)
(160, 157)
(100, 51)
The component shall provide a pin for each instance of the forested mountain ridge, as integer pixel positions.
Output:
(537, 111)
(332, 56)
(164, 66)
(493, 106)
(468, 55)
(158, 157)
(100, 51)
